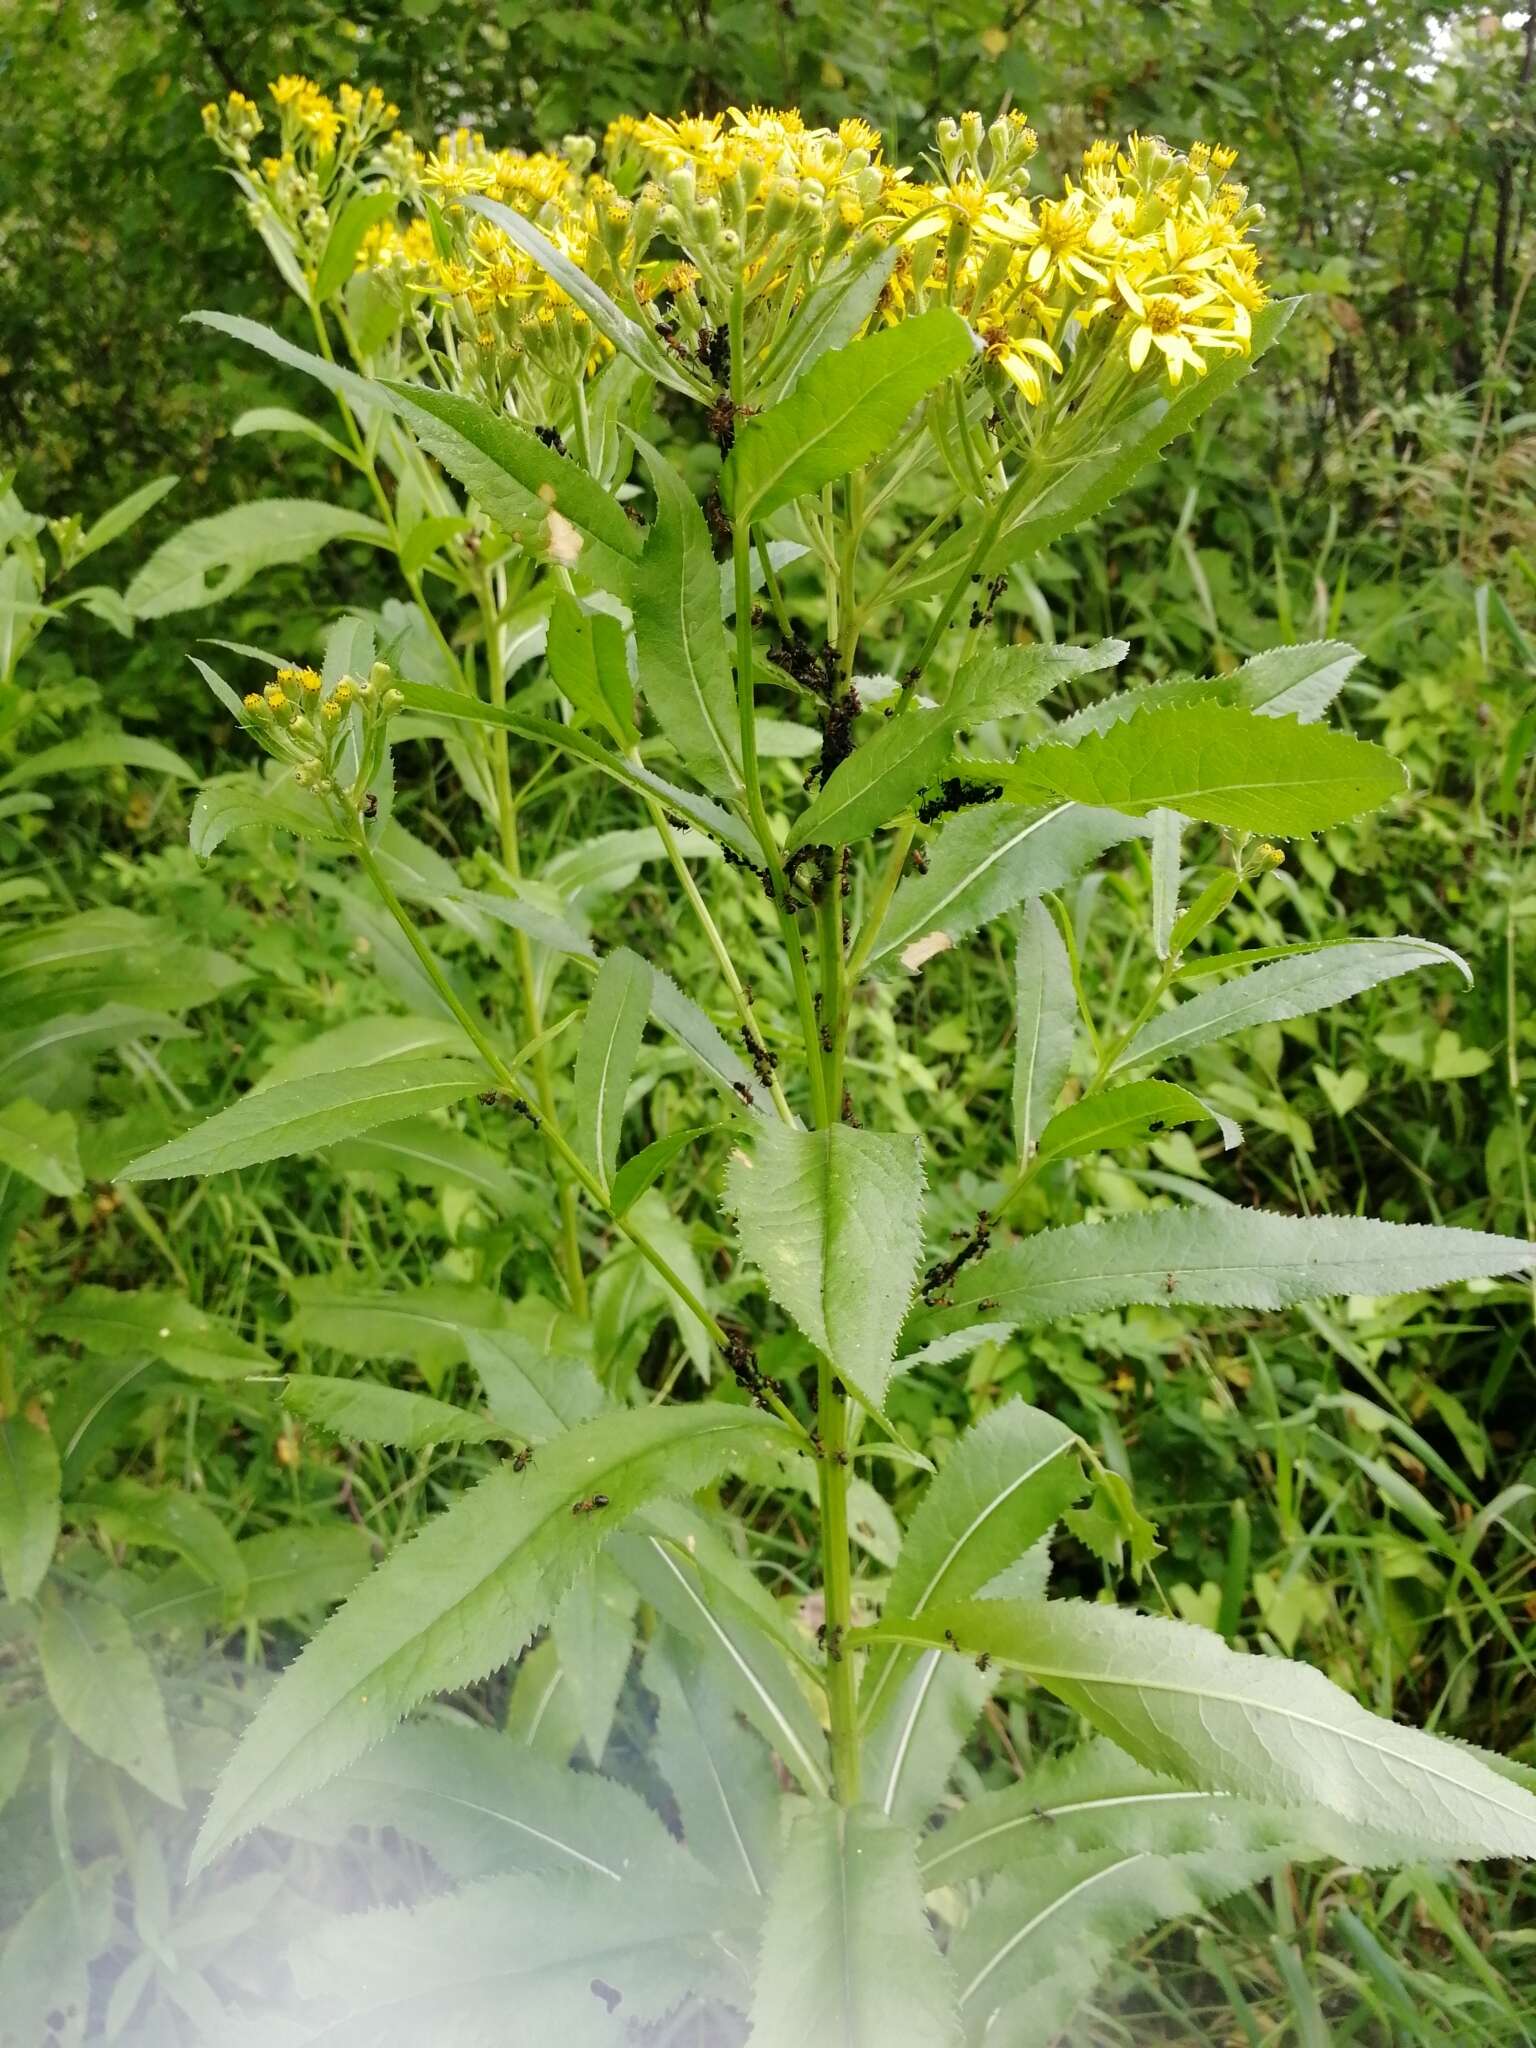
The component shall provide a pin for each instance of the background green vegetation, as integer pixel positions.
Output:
(1372, 481)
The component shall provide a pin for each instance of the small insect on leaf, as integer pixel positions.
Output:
(590, 1505)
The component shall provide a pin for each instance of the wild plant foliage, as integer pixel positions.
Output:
(703, 472)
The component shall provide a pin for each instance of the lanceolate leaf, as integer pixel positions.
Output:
(685, 670)
(1293, 987)
(519, 480)
(847, 407)
(29, 1503)
(502, 464)
(590, 665)
(1222, 1258)
(1093, 1797)
(363, 1411)
(482, 1804)
(303, 1115)
(339, 258)
(1122, 1116)
(1285, 682)
(848, 1957)
(1002, 1488)
(879, 778)
(1180, 1701)
(1219, 762)
(720, 1774)
(1045, 1934)
(214, 557)
(698, 810)
(982, 864)
(700, 1587)
(605, 1059)
(464, 1595)
(526, 1947)
(832, 1220)
(1045, 1022)
(113, 1321)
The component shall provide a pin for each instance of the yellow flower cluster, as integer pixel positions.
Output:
(292, 196)
(1142, 265)
(1146, 257)
(328, 737)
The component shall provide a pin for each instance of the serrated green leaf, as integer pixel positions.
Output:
(1217, 762)
(363, 1411)
(1003, 681)
(848, 1957)
(617, 1008)
(29, 1503)
(304, 1115)
(463, 1596)
(685, 668)
(1284, 682)
(1045, 1024)
(1122, 1116)
(1222, 1258)
(533, 1393)
(1292, 987)
(104, 1691)
(481, 1804)
(1180, 1701)
(846, 408)
(1003, 1486)
(984, 862)
(520, 481)
(529, 1946)
(833, 1219)
(879, 779)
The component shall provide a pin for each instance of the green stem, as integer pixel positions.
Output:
(527, 972)
(757, 813)
(837, 1592)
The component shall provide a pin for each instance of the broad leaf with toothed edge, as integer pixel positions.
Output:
(464, 1595)
(832, 1220)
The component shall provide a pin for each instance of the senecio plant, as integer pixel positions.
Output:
(750, 429)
